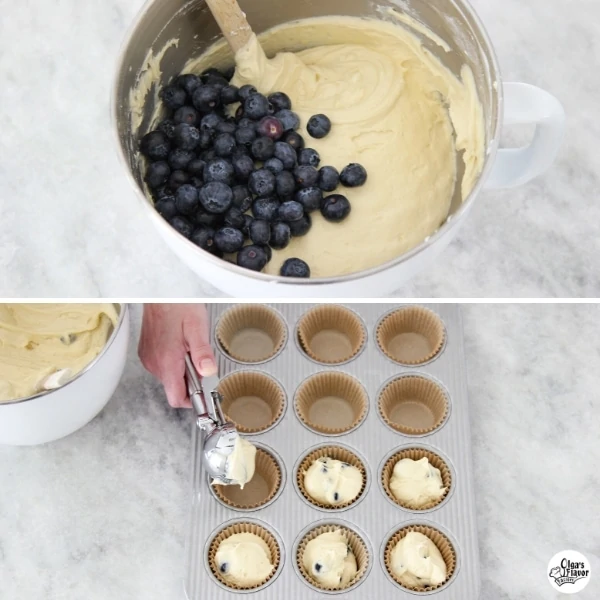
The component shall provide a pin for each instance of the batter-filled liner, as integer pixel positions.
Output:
(411, 336)
(252, 400)
(413, 405)
(331, 334)
(443, 544)
(331, 402)
(251, 333)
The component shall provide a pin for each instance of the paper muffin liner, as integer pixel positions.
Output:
(331, 334)
(331, 384)
(240, 384)
(416, 454)
(443, 544)
(357, 545)
(251, 333)
(424, 405)
(337, 453)
(412, 335)
(260, 490)
(244, 527)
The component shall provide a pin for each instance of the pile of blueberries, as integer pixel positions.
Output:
(222, 180)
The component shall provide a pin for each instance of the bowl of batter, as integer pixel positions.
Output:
(414, 94)
(59, 366)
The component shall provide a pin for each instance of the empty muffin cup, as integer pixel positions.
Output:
(337, 453)
(357, 546)
(244, 527)
(253, 401)
(444, 545)
(331, 334)
(331, 403)
(413, 405)
(412, 335)
(251, 333)
(260, 490)
(416, 454)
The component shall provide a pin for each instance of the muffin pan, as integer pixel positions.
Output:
(398, 410)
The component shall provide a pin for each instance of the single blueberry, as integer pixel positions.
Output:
(335, 208)
(210, 72)
(157, 173)
(229, 94)
(177, 179)
(206, 98)
(306, 176)
(336, 496)
(280, 101)
(256, 106)
(261, 183)
(210, 121)
(294, 139)
(294, 267)
(243, 167)
(291, 211)
(252, 257)
(205, 140)
(223, 567)
(186, 199)
(262, 148)
(288, 118)
(227, 127)
(246, 91)
(186, 114)
(173, 96)
(196, 167)
(265, 208)
(234, 218)
(245, 122)
(180, 159)
(260, 231)
(206, 219)
(353, 175)
(318, 567)
(286, 154)
(242, 198)
(268, 252)
(188, 82)
(310, 198)
(245, 135)
(248, 220)
(166, 209)
(229, 73)
(285, 184)
(224, 144)
(218, 169)
(204, 238)
(274, 165)
(270, 127)
(308, 156)
(182, 225)
(329, 178)
(280, 235)
(229, 239)
(155, 145)
(318, 126)
(301, 226)
(186, 137)
(216, 197)
(167, 127)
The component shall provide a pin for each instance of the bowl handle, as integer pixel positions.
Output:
(524, 103)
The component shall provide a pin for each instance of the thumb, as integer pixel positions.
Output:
(197, 338)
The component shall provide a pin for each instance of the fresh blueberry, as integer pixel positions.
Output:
(262, 148)
(239, 151)
(270, 127)
(166, 208)
(256, 106)
(229, 239)
(206, 98)
(167, 127)
(210, 72)
(318, 567)
(155, 145)
(285, 184)
(248, 220)
(245, 135)
(180, 159)
(173, 96)
(243, 167)
(196, 167)
(318, 126)
(294, 139)
(186, 136)
(208, 155)
(245, 122)
(177, 179)
(252, 257)
(301, 226)
(224, 144)
(234, 218)
(308, 156)
(288, 118)
(335, 207)
(157, 173)
(268, 252)
(246, 91)
(182, 225)
(260, 231)
(274, 165)
(336, 496)
(229, 94)
(353, 175)
(306, 176)
(186, 114)
(280, 235)
(262, 183)
(204, 238)
(295, 267)
(205, 219)
(226, 127)
(219, 169)
(242, 198)
(310, 198)
(162, 192)
(229, 73)
(329, 178)
(210, 121)
(291, 211)
(216, 197)
(265, 208)
(189, 83)
(280, 101)
(223, 567)
(186, 199)
(286, 154)
(205, 142)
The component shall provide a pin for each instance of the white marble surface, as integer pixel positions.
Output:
(101, 513)
(71, 226)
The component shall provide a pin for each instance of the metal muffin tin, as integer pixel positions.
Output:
(289, 516)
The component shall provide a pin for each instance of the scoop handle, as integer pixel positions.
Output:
(232, 21)
(196, 394)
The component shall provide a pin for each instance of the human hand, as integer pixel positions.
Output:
(169, 331)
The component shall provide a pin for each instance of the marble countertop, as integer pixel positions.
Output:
(101, 514)
(70, 225)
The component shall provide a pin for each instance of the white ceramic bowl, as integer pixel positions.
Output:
(54, 414)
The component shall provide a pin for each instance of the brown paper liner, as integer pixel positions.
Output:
(357, 545)
(443, 544)
(260, 490)
(252, 384)
(251, 333)
(331, 334)
(244, 527)
(413, 405)
(411, 336)
(349, 405)
(416, 454)
(337, 453)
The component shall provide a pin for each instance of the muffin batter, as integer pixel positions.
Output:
(329, 560)
(42, 346)
(241, 462)
(416, 483)
(332, 482)
(244, 559)
(417, 562)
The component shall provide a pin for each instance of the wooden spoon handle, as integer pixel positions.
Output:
(232, 22)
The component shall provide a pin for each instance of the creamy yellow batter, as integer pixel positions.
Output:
(329, 559)
(417, 562)
(37, 341)
(332, 482)
(241, 462)
(416, 482)
(244, 559)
